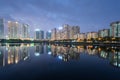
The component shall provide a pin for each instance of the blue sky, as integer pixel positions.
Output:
(90, 15)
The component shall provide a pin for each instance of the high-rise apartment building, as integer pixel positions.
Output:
(91, 35)
(13, 30)
(24, 31)
(48, 35)
(115, 29)
(65, 32)
(73, 31)
(39, 34)
(53, 34)
(104, 33)
(82, 36)
(1, 28)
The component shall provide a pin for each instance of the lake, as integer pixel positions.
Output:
(36, 61)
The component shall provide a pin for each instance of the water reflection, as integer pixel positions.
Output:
(39, 49)
(2, 56)
(67, 53)
(14, 53)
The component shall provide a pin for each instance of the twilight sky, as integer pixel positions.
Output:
(90, 15)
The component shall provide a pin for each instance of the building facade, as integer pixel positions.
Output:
(39, 34)
(24, 31)
(48, 35)
(1, 28)
(104, 33)
(91, 35)
(115, 29)
(82, 36)
(59, 35)
(65, 33)
(13, 30)
(54, 34)
(73, 31)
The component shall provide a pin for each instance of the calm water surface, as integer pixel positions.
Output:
(45, 61)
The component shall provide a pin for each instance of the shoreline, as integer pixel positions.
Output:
(66, 43)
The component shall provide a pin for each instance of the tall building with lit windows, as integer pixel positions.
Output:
(48, 35)
(115, 29)
(104, 33)
(24, 31)
(54, 34)
(13, 30)
(1, 28)
(59, 34)
(91, 35)
(82, 36)
(73, 31)
(66, 31)
(39, 34)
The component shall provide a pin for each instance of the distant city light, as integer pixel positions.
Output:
(9, 21)
(37, 29)
(115, 63)
(32, 44)
(49, 31)
(49, 53)
(37, 54)
(16, 22)
(25, 58)
(6, 48)
(16, 61)
(60, 57)
(60, 28)
(32, 39)
(49, 46)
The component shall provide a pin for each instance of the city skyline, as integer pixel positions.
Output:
(89, 15)
(22, 31)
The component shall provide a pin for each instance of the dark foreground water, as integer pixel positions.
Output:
(65, 62)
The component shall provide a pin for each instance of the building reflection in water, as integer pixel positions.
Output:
(65, 53)
(13, 53)
(17, 53)
(24, 51)
(115, 59)
(2, 56)
(48, 49)
(73, 53)
(110, 53)
(91, 50)
(39, 49)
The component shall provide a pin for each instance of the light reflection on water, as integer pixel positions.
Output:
(14, 53)
(73, 53)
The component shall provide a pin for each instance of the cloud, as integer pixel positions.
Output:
(53, 13)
